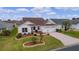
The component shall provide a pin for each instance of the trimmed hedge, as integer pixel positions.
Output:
(58, 30)
(6, 33)
(19, 35)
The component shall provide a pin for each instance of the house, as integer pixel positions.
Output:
(58, 22)
(75, 23)
(14, 22)
(4, 25)
(29, 25)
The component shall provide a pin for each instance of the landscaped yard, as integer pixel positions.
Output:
(72, 33)
(8, 43)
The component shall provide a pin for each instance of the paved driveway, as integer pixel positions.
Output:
(65, 39)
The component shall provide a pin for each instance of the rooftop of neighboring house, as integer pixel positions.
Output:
(13, 22)
(75, 20)
(59, 21)
(40, 21)
(4, 25)
(33, 20)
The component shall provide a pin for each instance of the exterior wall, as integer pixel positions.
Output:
(51, 28)
(45, 29)
(24, 26)
(9, 27)
(75, 26)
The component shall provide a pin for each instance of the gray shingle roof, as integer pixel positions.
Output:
(58, 21)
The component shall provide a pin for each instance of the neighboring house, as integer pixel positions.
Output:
(58, 22)
(14, 22)
(4, 25)
(29, 25)
(75, 24)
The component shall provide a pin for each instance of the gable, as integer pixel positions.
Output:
(36, 21)
(28, 23)
(50, 22)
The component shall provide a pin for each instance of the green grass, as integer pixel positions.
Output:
(10, 44)
(72, 33)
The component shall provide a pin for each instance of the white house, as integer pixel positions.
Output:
(75, 26)
(29, 25)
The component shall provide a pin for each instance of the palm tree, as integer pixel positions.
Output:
(66, 25)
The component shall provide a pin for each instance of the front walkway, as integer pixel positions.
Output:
(65, 39)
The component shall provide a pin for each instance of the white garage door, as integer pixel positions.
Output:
(49, 29)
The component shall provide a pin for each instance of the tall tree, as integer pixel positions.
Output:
(9, 19)
(66, 25)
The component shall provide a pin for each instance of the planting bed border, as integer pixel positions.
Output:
(34, 45)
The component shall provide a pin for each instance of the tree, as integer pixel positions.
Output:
(34, 39)
(9, 19)
(14, 31)
(41, 36)
(66, 25)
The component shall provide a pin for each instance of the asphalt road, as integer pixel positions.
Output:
(73, 48)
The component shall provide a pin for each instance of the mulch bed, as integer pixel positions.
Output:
(31, 44)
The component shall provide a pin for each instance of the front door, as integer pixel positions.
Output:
(35, 28)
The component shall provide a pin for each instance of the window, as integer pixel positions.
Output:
(34, 28)
(24, 29)
(38, 28)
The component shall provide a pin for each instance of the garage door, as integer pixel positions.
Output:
(49, 30)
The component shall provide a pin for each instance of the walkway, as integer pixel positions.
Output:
(65, 39)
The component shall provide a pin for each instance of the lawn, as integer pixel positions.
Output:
(10, 44)
(72, 33)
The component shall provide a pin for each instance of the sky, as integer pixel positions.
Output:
(16, 13)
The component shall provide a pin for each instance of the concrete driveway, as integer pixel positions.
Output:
(65, 39)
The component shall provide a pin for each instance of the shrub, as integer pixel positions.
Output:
(58, 30)
(35, 34)
(48, 34)
(31, 32)
(24, 34)
(19, 35)
(6, 33)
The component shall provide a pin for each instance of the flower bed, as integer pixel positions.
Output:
(31, 44)
(27, 35)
